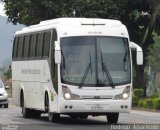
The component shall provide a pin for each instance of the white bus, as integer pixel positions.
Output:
(73, 66)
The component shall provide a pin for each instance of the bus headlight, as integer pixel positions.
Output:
(124, 95)
(68, 95)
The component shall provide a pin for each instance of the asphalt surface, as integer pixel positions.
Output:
(11, 119)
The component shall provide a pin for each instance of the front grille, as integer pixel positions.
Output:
(3, 100)
(97, 97)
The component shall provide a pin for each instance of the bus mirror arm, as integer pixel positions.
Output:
(139, 53)
(57, 53)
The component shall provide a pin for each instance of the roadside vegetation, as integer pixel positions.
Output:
(150, 102)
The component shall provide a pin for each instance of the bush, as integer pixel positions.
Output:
(135, 100)
(154, 95)
(149, 103)
(142, 104)
(138, 93)
(156, 103)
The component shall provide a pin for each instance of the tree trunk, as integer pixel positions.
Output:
(140, 80)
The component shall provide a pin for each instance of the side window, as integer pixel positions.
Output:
(26, 46)
(20, 47)
(54, 69)
(47, 37)
(14, 52)
(33, 45)
(39, 49)
(54, 73)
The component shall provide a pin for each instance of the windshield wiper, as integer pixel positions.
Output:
(124, 61)
(64, 63)
(125, 56)
(86, 72)
(106, 71)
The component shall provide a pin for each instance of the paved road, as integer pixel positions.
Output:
(12, 115)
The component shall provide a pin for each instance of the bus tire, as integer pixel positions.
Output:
(112, 117)
(35, 113)
(25, 111)
(46, 102)
(53, 117)
(83, 116)
(74, 116)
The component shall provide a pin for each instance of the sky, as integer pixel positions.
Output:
(2, 12)
(7, 30)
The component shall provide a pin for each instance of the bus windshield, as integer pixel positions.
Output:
(95, 61)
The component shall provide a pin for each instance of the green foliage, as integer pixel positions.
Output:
(142, 103)
(31, 12)
(135, 101)
(154, 95)
(7, 73)
(156, 103)
(138, 93)
(150, 103)
(154, 53)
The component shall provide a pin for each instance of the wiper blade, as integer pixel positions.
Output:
(124, 61)
(86, 72)
(106, 71)
(64, 61)
(125, 56)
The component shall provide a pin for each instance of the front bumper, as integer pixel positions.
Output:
(3, 100)
(93, 106)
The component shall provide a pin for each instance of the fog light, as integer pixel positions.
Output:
(67, 95)
(125, 95)
(70, 107)
(66, 107)
(126, 106)
(122, 106)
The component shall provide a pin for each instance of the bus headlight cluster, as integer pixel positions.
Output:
(124, 95)
(68, 95)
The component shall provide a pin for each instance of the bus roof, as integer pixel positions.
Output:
(60, 22)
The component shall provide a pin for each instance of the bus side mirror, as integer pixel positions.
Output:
(139, 53)
(57, 53)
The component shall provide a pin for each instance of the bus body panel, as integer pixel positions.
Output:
(34, 76)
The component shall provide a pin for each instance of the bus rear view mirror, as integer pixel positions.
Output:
(139, 53)
(57, 53)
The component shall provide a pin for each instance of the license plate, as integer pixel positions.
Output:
(97, 107)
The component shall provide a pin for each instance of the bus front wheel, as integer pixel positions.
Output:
(53, 117)
(112, 117)
(25, 111)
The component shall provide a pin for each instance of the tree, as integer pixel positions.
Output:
(141, 17)
(154, 62)
(154, 54)
(6, 68)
